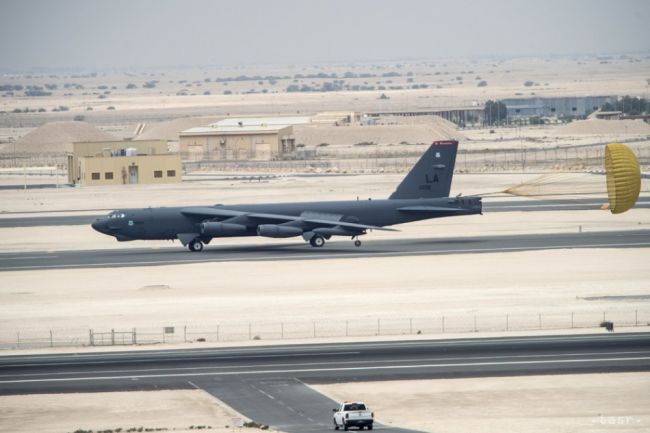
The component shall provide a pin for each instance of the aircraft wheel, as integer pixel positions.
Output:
(317, 241)
(196, 245)
(357, 243)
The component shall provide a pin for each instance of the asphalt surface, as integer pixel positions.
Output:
(488, 206)
(271, 384)
(297, 250)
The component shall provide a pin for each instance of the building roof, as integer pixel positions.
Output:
(261, 121)
(233, 130)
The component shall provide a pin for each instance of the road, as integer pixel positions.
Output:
(271, 384)
(488, 206)
(297, 250)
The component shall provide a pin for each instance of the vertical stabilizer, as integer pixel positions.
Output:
(431, 176)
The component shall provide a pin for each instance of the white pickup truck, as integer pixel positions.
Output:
(353, 414)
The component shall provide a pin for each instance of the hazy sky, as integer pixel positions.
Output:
(90, 34)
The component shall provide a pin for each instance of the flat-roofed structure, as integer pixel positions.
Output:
(240, 139)
(123, 162)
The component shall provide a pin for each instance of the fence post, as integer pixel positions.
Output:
(636, 317)
(135, 336)
(540, 320)
(18, 339)
(51, 341)
(604, 316)
(91, 339)
(112, 337)
(184, 333)
(443, 324)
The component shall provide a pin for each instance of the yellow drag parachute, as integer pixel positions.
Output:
(623, 182)
(623, 177)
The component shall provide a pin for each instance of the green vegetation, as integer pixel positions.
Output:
(629, 105)
(495, 112)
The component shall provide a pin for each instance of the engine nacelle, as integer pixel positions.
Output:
(275, 231)
(337, 231)
(216, 229)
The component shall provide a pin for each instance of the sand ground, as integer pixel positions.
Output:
(230, 295)
(171, 410)
(202, 296)
(616, 402)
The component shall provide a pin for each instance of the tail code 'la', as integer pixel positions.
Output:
(431, 176)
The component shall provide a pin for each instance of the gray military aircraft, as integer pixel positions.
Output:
(422, 194)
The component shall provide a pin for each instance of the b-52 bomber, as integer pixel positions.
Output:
(422, 194)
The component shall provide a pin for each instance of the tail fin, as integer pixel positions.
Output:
(431, 176)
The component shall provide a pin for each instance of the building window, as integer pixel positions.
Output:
(157, 173)
(171, 173)
(108, 175)
(95, 176)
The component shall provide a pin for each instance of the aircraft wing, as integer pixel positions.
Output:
(430, 209)
(210, 212)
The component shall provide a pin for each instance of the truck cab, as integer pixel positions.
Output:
(353, 414)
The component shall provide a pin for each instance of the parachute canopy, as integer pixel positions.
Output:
(622, 181)
(623, 177)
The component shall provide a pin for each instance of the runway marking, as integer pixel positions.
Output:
(304, 349)
(327, 256)
(241, 357)
(330, 369)
(29, 257)
(424, 359)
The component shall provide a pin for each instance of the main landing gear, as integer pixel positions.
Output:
(317, 241)
(195, 245)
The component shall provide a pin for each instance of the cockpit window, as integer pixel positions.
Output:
(114, 215)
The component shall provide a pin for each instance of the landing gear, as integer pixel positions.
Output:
(317, 241)
(357, 243)
(195, 245)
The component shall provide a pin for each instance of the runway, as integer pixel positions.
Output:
(590, 203)
(271, 384)
(295, 249)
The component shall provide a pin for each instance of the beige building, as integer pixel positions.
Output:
(240, 139)
(123, 162)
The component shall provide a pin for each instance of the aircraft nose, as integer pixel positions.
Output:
(99, 225)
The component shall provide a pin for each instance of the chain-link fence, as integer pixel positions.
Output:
(322, 328)
(392, 161)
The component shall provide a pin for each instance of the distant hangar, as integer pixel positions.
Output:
(259, 138)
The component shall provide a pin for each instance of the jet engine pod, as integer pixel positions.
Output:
(216, 229)
(276, 231)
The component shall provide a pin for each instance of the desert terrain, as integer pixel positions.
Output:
(266, 302)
